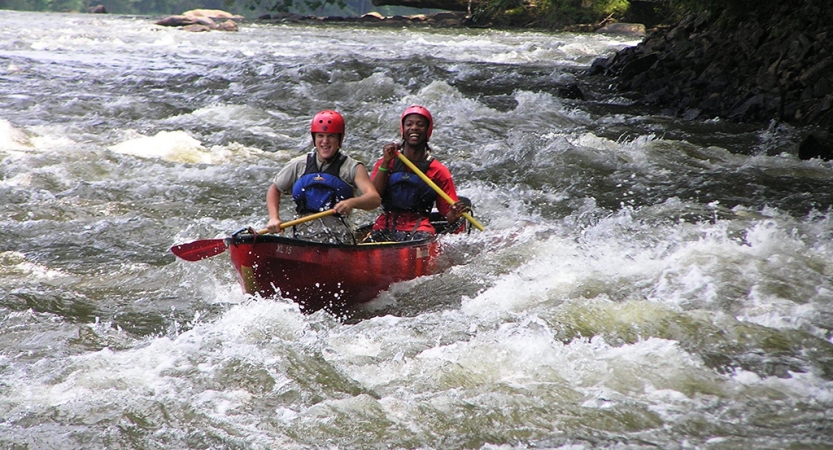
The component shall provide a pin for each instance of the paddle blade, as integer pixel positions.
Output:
(197, 250)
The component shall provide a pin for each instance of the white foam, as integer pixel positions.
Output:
(16, 266)
(12, 138)
(176, 146)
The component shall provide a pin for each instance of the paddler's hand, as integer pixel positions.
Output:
(456, 212)
(389, 153)
(343, 208)
(274, 226)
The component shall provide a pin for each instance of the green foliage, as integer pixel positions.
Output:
(609, 7)
(589, 11)
(492, 9)
(117, 6)
(43, 5)
(26, 5)
(68, 5)
(259, 6)
(562, 13)
(313, 5)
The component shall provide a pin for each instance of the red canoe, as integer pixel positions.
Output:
(320, 275)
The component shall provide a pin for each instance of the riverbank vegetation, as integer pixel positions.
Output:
(149, 7)
(547, 14)
(246, 8)
(552, 14)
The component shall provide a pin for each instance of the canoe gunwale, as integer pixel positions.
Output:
(254, 239)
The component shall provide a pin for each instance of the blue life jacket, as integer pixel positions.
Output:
(406, 191)
(318, 190)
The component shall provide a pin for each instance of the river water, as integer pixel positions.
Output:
(642, 282)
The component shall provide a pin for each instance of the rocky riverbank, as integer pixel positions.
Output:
(754, 70)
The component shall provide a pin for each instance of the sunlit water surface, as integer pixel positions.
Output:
(642, 282)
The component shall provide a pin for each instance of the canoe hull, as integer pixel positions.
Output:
(317, 275)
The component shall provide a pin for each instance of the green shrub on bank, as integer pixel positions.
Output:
(557, 14)
(548, 13)
(42, 5)
(121, 6)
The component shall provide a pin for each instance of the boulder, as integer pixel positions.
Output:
(373, 16)
(212, 14)
(228, 25)
(746, 69)
(97, 9)
(628, 29)
(176, 21)
(196, 28)
(571, 91)
(812, 146)
(198, 20)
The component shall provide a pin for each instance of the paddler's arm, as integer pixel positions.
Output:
(380, 178)
(273, 205)
(369, 199)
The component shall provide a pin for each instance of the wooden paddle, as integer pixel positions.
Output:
(206, 248)
(437, 189)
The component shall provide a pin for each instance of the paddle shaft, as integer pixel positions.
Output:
(437, 189)
(197, 250)
(294, 222)
(301, 220)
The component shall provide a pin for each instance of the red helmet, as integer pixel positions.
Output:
(416, 109)
(328, 121)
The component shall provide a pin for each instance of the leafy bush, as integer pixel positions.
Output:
(547, 13)
(569, 12)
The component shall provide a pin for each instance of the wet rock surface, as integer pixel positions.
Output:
(755, 70)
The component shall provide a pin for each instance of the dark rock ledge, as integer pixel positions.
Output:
(778, 70)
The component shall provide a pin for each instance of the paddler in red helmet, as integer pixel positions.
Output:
(321, 180)
(406, 199)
